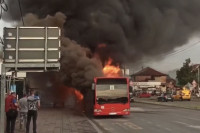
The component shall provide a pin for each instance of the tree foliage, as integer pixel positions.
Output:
(185, 74)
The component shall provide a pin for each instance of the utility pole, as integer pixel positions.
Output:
(198, 76)
(124, 70)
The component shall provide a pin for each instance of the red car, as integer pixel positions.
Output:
(144, 95)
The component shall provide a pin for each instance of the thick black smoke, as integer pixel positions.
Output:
(79, 70)
(131, 29)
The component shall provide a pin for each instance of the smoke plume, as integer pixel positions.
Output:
(131, 29)
(78, 68)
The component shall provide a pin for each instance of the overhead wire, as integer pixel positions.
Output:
(21, 12)
(176, 52)
(182, 50)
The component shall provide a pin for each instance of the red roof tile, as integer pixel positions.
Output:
(148, 72)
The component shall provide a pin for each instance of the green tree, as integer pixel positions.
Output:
(185, 74)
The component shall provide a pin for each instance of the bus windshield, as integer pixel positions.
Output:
(111, 91)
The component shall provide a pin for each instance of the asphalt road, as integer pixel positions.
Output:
(146, 118)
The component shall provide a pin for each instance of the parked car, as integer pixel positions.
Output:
(177, 95)
(144, 95)
(183, 94)
(156, 93)
(165, 97)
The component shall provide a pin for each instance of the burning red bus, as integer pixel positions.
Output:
(111, 96)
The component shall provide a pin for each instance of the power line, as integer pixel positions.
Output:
(21, 11)
(182, 50)
(194, 44)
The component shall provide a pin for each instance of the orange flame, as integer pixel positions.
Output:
(78, 94)
(102, 45)
(110, 70)
(63, 92)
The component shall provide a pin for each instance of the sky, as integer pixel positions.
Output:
(179, 55)
(173, 60)
(168, 63)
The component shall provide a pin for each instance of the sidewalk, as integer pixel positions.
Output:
(52, 120)
(193, 104)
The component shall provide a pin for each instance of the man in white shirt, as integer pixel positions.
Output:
(33, 105)
(23, 109)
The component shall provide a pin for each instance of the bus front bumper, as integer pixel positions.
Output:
(111, 113)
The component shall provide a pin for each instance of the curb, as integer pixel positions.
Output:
(153, 103)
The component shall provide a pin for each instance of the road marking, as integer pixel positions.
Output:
(149, 122)
(181, 123)
(119, 124)
(188, 125)
(101, 124)
(168, 129)
(192, 126)
(137, 109)
(128, 125)
(158, 125)
(121, 120)
(132, 125)
(94, 125)
(109, 129)
(142, 119)
(192, 118)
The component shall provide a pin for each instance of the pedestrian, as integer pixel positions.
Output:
(23, 109)
(33, 106)
(11, 112)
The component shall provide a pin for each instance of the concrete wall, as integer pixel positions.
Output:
(142, 78)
